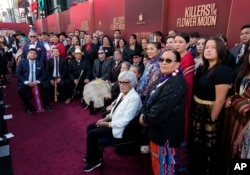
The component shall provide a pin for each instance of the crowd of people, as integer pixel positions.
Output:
(191, 92)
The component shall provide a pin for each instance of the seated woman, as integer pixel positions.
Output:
(127, 106)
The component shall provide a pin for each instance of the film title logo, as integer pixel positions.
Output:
(199, 16)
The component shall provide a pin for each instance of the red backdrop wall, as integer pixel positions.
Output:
(64, 18)
(109, 15)
(143, 17)
(23, 27)
(53, 23)
(237, 18)
(79, 16)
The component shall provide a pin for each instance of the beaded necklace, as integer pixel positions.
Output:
(162, 80)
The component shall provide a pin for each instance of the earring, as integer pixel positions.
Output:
(175, 72)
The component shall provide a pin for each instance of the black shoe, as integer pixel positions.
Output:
(84, 104)
(47, 108)
(89, 168)
(85, 159)
(30, 110)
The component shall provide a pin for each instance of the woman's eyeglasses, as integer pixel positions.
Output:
(167, 60)
(123, 82)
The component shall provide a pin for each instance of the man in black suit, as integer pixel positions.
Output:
(77, 81)
(57, 68)
(37, 45)
(90, 50)
(31, 72)
(117, 37)
(102, 67)
(116, 66)
(237, 51)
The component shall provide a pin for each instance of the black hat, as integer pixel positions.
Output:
(137, 54)
(18, 33)
(63, 33)
(45, 33)
(194, 34)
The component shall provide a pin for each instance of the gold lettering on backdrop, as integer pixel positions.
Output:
(141, 35)
(198, 16)
(118, 23)
(85, 26)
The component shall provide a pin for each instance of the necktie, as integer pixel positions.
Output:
(242, 50)
(32, 71)
(117, 44)
(57, 67)
(116, 64)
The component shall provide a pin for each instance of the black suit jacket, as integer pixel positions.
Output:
(115, 71)
(75, 69)
(91, 54)
(41, 52)
(106, 69)
(63, 68)
(235, 50)
(164, 112)
(23, 71)
(128, 53)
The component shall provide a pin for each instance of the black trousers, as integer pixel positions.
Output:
(25, 91)
(93, 135)
(78, 91)
(63, 89)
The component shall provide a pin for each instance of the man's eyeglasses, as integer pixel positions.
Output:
(167, 60)
(32, 36)
(123, 82)
(100, 53)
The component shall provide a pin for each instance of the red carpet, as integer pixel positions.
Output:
(53, 143)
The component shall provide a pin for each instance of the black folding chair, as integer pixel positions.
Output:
(131, 135)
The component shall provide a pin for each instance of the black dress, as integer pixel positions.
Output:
(205, 155)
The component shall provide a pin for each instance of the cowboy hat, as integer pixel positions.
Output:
(78, 51)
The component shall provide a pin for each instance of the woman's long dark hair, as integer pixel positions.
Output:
(221, 52)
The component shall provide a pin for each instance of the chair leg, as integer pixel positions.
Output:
(141, 162)
(102, 161)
